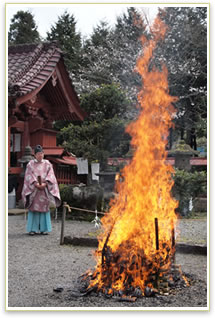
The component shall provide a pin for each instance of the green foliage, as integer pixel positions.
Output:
(188, 185)
(202, 129)
(131, 25)
(83, 197)
(59, 124)
(102, 134)
(99, 35)
(63, 192)
(105, 102)
(191, 183)
(110, 56)
(64, 31)
(202, 142)
(184, 52)
(83, 141)
(23, 29)
(128, 30)
(96, 141)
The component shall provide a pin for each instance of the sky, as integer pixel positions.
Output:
(87, 16)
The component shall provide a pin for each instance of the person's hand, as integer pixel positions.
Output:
(40, 186)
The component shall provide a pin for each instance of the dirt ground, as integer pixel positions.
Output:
(39, 265)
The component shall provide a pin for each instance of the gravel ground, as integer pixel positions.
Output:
(37, 265)
(192, 231)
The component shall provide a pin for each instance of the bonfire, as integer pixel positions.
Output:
(136, 251)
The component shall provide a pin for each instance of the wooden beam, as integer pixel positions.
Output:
(22, 99)
(20, 125)
(26, 136)
(15, 170)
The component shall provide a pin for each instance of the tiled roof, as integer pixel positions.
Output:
(66, 160)
(53, 151)
(30, 65)
(40, 67)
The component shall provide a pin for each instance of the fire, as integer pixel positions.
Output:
(137, 242)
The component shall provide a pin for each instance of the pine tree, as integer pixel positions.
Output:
(110, 57)
(23, 29)
(128, 30)
(64, 31)
(95, 69)
(102, 134)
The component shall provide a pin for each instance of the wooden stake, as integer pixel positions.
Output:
(63, 223)
(156, 234)
(173, 243)
(173, 236)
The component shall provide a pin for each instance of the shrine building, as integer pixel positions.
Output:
(40, 92)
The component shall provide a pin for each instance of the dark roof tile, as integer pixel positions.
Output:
(29, 68)
(28, 64)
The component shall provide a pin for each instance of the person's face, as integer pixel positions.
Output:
(39, 156)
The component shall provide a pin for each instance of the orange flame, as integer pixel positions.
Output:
(145, 193)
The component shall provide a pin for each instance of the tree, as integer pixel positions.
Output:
(95, 68)
(102, 134)
(96, 140)
(105, 102)
(64, 31)
(99, 35)
(184, 51)
(23, 29)
(188, 185)
(127, 33)
(110, 54)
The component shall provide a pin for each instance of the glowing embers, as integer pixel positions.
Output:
(128, 273)
(162, 282)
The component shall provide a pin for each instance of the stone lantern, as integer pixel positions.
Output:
(182, 154)
(25, 159)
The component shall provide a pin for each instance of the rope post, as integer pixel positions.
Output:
(63, 223)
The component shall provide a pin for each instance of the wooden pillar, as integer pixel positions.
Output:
(26, 136)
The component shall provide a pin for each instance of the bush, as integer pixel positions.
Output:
(84, 197)
(188, 185)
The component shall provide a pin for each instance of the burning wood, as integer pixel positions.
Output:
(156, 234)
(136, 252)
(119, 272)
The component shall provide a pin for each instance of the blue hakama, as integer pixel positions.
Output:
(39, 222)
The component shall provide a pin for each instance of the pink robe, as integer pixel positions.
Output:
(33, 198)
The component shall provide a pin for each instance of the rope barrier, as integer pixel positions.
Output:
(84, 210)
(68, 208)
